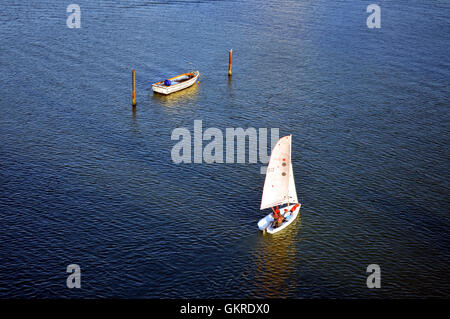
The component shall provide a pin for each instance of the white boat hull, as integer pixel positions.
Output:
(162, 89)
(266, 223)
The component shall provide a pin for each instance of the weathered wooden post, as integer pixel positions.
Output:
(230, 62)
(134, 88)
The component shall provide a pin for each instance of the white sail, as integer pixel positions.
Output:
(279, 186)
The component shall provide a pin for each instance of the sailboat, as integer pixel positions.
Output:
(279, 188)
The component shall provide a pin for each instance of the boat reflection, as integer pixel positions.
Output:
(189, 94)
(276, 269)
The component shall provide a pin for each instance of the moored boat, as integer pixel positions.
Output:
(176, 83)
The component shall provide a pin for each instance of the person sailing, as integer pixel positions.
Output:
(277, 217)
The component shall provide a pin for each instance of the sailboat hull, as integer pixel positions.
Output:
(266, 223)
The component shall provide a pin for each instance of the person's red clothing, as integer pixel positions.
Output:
(276, 213)
(280, 220)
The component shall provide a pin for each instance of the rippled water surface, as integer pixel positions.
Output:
(85, 180)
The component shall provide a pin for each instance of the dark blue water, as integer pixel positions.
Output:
(84, 179)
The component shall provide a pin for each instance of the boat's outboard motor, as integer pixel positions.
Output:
(167, 83)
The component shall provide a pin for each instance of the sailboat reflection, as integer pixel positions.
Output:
(187, 95)
(275, 271)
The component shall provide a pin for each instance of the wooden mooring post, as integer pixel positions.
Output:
(230, 62)
(134, 88)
